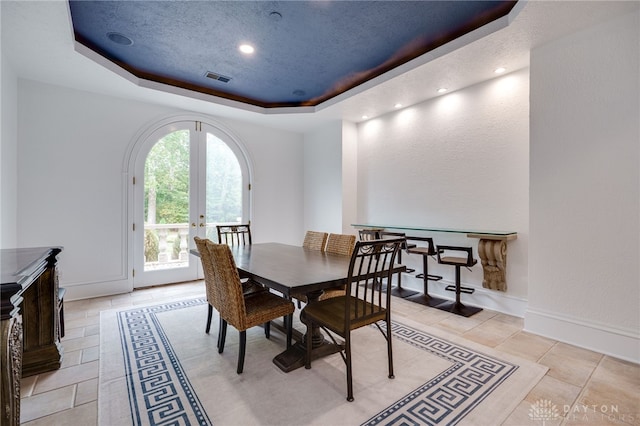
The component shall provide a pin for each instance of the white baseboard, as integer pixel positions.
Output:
(619, 343)
(96, 289)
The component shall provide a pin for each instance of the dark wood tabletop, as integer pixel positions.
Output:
(291, 269)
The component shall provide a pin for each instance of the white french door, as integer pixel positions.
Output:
(190, 176)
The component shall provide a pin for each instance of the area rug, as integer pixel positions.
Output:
(158, 367)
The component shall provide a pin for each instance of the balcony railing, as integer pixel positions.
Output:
(167, 245)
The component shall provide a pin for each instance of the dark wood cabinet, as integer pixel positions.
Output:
(30, 342)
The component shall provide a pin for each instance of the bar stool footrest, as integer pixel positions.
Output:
(467, 290)
(430, 277)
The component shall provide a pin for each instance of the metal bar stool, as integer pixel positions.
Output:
(424, 298)
(457, 307)
(398, 290)
(376, 234)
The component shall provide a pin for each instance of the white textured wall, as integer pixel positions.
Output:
(8, 156)
(585, 216)
(349, 176)
(459, 161)
(71, 150)
(323, 179)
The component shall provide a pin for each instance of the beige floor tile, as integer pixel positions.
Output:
(66, 376)
(426, 315)
(90, 354)
(613, 392)
(559, 393)
(457, 324)
(570, 364)
(528, 414)
(81, 343)
(509, 319)
(86, 392)
(81, 322)
(83, 415)
(493, 331)
(43, 404)
(72, 333)
(91, 330)
(27, 384)
(527, 345)
(70, 358)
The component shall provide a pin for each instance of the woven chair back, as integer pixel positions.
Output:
(342, 244)
(314, 240)
(368, 300)
(234, 235)
(225, 287)
(207, 267)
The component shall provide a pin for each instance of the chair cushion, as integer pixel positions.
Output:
(419, 250)
(265, 306)
(329, 313)
(453, 260)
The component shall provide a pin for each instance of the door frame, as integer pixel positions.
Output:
(141, 145)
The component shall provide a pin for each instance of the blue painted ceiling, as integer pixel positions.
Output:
(307, 52)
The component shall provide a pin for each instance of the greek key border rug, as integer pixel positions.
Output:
(158, 367)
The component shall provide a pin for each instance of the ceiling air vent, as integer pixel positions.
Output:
(216, 76)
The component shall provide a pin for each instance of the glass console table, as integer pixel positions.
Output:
(492, 249)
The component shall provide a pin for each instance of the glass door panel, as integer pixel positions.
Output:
(193, 178)
(223, 186)
(166, 202)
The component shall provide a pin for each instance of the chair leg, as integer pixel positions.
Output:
(222, 336)
(243, 347)
(347, 351)
(267, 329)
(209, 315)
(389, 349)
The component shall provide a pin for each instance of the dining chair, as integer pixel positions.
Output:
(340, 244)
(314, 240)
(237, 235)
(237, 309)
(234, 235)
(248, 287)
(362, 304)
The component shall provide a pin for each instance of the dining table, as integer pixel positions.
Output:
(289, 270)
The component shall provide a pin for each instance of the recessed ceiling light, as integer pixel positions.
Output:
(442, 90)
(397, 106)
(499, 70)
(246, 48)
(120, 39)
(364, 117)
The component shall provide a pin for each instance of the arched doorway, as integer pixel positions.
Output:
(188, 176)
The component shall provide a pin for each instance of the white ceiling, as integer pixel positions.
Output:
(37, 42)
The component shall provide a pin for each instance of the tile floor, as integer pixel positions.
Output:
(587, 388)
